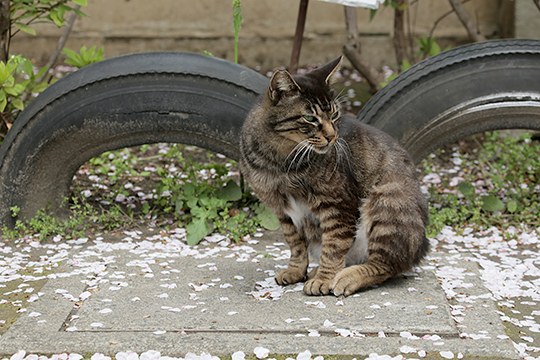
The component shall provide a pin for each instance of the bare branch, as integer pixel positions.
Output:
(61, 42)
(352, 50)
(441, 18)
(468, 22)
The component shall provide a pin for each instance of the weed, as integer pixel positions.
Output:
(237, 24)
(497, 184)
(199, 191)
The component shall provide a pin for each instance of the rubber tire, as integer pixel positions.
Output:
(470, 89)
(121, 102)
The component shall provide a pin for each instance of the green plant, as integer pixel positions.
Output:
(24, 13)
(428, 47)
(20, 79)
(496, 186)
(207, 203)
(197, 190)
(237, 24)
(82, 217)
(84, 57)
(17, 81)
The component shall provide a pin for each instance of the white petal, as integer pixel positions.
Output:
(261, 352)
(305, 355)
(239, 355)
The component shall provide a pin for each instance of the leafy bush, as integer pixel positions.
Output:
(20, 79)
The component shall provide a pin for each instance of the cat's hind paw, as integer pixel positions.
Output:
(289, 276)
(317, 287)
(345, 283)
(353, 278)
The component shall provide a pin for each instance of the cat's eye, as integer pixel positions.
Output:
(311, 118)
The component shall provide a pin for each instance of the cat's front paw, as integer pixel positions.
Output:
(317, 286)
(290, 276)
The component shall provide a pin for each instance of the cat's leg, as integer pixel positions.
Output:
(338, 231)
(393, 222)
(298, 262)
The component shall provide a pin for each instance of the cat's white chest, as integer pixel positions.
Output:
(297, 210)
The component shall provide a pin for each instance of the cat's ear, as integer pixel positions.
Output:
(280, 83)
(327, 72)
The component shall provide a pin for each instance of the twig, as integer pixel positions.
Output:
(61, 42)
(441, 18)
(467, 21)
(352, 50)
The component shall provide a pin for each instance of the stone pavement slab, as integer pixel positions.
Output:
(139, 296)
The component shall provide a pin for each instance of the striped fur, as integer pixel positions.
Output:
(346, 194)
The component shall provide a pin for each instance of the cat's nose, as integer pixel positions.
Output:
(329, 132)
(330, 137)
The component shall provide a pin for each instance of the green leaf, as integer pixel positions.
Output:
(81, 2)
(10, 90)
(267, 219)
(466, 189)
(145, 208)
(212, 204)
(3, 100)
(492, 203)
(26, 66)
(25, 28)
(434, 49)
(512, 206)
(17, 104)
(57, 18)
(199, 212)
(196, 231)
(230, 192)
(20, 87)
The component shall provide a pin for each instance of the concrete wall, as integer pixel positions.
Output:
(126, 26)
(527, 20)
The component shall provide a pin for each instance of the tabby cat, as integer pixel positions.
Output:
(346, 194)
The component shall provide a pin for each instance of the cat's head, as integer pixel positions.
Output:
(303, 108)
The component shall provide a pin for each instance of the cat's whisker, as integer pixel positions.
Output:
(341, 99)
(298, 149)
(340, 94)
(344, 151)
(295, 149)
(306, 151)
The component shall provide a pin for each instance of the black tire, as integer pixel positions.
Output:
(474, 88)
(126, 101)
